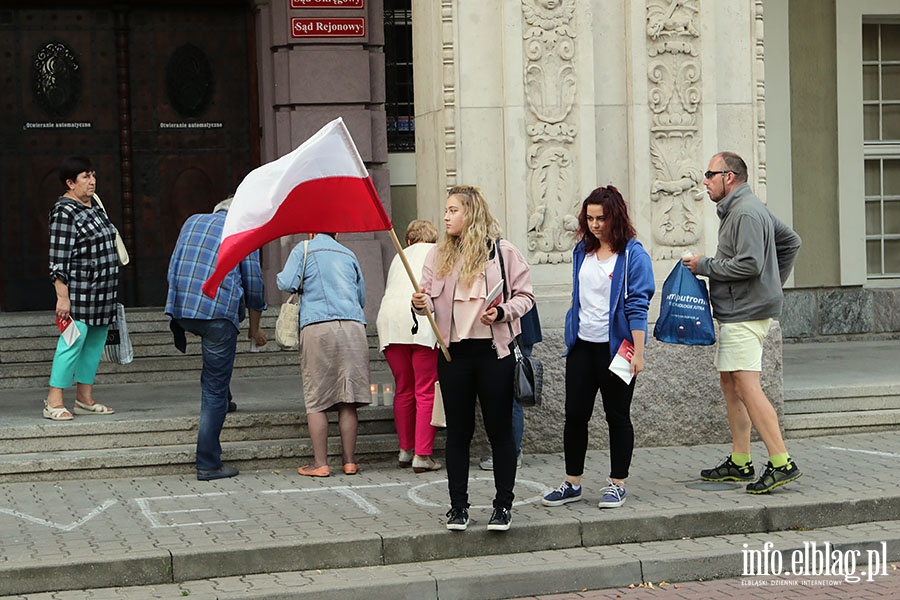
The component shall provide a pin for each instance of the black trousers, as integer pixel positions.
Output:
(587, 370)
(476, 372)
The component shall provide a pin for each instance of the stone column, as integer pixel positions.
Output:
(305, 83)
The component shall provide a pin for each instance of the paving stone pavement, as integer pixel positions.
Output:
(270, 529)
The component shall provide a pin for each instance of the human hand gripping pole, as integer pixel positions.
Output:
(415, 284)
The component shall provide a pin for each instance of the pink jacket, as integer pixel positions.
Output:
(520, 297)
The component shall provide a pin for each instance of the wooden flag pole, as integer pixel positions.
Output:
(415, 284)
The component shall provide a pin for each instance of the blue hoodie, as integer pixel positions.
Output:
(629, 299)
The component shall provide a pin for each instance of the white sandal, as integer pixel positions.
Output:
(56, 413)
(92, 409)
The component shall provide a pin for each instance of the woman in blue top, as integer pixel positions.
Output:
(334, 351)
(611, 291)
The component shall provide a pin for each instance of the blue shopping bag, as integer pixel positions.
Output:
(685, 316)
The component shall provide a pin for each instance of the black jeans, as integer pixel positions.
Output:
(587, 370)
(476, 372)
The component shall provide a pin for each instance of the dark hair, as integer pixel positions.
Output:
(735, 164)
(72, 166)
(618, 226)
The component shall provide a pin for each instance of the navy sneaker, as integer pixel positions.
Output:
(500, 520)
(220, 473)
(457, 519)
(773, 477)
(728, 471)
(613, 496)
(564, 494)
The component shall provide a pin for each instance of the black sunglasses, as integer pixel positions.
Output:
(710, 174)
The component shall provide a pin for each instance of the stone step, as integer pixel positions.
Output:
(838, 422)
(137, 461)
(141, 432)
(154, 430)
(863, 401)
(148, 345)
(29, 342)
(662, 564)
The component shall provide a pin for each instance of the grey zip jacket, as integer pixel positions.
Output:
(754, 258)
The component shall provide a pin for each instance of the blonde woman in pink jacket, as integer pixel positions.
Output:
(456, 280)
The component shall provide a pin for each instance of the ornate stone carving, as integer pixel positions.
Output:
(449, 83)
(674, 95)
(759, 112)
(550, 90)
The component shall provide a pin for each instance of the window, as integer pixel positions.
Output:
(401, 125)
(881, 132)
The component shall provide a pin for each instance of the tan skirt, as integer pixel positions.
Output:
(334, 364)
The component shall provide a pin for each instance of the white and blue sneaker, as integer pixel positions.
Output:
(613, 496)
(564, 494)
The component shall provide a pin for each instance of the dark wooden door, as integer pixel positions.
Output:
(58, 97)
(191, 124)
(160, 97)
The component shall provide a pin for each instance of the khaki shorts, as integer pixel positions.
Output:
(740, 345)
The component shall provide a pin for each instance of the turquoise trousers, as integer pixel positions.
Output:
(80, 360)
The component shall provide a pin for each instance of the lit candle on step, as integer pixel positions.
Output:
(374, 389)
(388, 395)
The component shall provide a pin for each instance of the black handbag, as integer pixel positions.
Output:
(528, 376)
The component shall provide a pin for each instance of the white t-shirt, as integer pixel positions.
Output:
(594, 285)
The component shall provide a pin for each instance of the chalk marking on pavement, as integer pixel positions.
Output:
(96, 511)
(344, 490)
(144, 504)
(337, 487)
(413, 492)
(872, 452)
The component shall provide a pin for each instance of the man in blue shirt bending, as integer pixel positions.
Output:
(217, 322)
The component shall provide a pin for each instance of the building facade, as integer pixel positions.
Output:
(536, 101)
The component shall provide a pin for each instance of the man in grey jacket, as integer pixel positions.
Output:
(754, 258)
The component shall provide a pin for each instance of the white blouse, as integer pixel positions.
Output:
(594, 287)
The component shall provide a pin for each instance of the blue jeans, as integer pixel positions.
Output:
(219, 343)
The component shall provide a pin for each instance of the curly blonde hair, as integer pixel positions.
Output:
(473, 246)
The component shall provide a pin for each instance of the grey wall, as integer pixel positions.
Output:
(839, 314)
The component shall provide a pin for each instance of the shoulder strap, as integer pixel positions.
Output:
(303, 268)
(515, 343)
(100, 204)
(502, 268)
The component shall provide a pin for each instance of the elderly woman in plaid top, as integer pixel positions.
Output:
(84, 269)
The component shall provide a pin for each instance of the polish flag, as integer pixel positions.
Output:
(321, 187)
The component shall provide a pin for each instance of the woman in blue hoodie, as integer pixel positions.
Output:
(611, 290)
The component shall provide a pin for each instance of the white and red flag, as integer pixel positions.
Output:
(322, 186)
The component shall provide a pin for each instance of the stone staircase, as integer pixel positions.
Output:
(841, 387)
(29, 340)
(156, 398)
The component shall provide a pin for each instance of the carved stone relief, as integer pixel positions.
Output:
(759, 112)
(550, 89)
(674, 95)
(448, 60)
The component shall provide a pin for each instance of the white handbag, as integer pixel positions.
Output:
(287, 333)
(438, 418)
(121, 250)
(287, 326)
